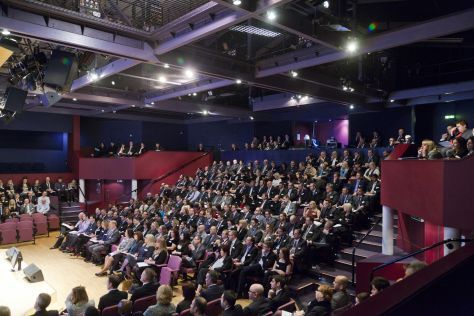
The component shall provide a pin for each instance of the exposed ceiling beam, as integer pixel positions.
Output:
(108, 70)
(438, 90)
(283, 100)
(54, 31)
(441, 26)
(219, 22)
(119, 12)
(468, 95)
(195, 87)
(191, 107)
(99, 95)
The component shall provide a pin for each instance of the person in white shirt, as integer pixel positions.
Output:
(43, 203)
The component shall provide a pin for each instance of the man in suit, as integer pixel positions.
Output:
(248, 256)
(278, 294)
(213, 291)
(235, 245)
(42, 302)
(298, 250)
(114, 296)
(259, 305)
(198, 251)
(264, 261)
(228, 299)
(149, 286)
(112, 237)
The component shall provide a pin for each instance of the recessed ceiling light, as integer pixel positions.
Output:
(74, 99)
(102, 110)
(162, 79)
(251, 118)
(113, 83)
(189, 73)
(133, 105)
(351, 107)
(294, 74)
(271, 15)
(205, 112)
(237, 2)
(238, 81)
(392, 100)
(114, 111)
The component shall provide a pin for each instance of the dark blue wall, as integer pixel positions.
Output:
(35, 142)
(220, 134)
(386, 122)
(95, 130)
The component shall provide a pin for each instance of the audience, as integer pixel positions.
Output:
(188, 296)
(321, 305)
(340, 297)
(228, 300)
(114, 296)
(378, 284)
(149, 285)
(198, 307)
(77, 301)
(42, 302)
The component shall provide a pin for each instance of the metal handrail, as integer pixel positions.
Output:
(358, 244)
(424, 249)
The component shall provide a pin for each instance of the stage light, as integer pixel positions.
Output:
(152, 103)
(251, 118)
(345, 88)
(392, 100)
(209, 92)
(93, 75)
(74, 99)
(166, 65)
(5, 32)
(205, 112)
(299, 97)
(271, 15)
(237, 2)
(351, 107)
(326, 4)
(294, 74)
(162, 79)
(189, 94)
(351, 89)
(238, 81)
(102, 110)
(352, 46)
(113, 83)
(195, 94)
(189, 73)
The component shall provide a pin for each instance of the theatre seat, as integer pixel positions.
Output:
(8, 233)
(110, 311)
(143, 303)
(288, 307)
(41, 225)
(25, 231)
(214, 308)
(53, 221)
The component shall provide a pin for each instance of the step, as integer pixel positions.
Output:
(327, 274)
(378, 228)
(360, 254)
(343, 264)
(371, 246)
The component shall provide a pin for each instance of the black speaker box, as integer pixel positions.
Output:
(61, 70)
(33, 273)
(15, 99)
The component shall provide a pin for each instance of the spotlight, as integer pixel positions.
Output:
(189, 94)
(166, 65)
(102, 110)
(195, 94)
(93, 75)
(351, 89)
(352, 46)
(205, 112)
(326, 4)
(251, 118)
(189, 73)
(152, 103)
(294, 74)
(237, 2)
(5, 32)
(271, 15)
(238, 81)
(113, 83)
(74, 99)
(351, 107)
(392, 100)
(162, 79)
(209, 93)
(345, 88)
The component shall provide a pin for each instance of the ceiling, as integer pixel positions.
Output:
(190, 61)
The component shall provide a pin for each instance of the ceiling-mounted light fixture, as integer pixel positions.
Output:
(271, 15)
(294, 74)
(326, 4)
(189, 73)
(352, 46)
(238, 81)
(237, 2)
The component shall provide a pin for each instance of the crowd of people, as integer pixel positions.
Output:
(28, 198)
(244, 228)
(123, 150)
(266, 143)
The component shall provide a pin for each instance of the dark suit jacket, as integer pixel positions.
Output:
(236, 250)
(281, 298)
(258, 308)
(235, 310)
(46, 313)
(226, 266)
(144, 290)
(251, 256)
(213, 292)
(113, 297)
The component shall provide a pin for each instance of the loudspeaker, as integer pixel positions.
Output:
(61, 70)
(15, 99)
(10, 252)
(33, 273)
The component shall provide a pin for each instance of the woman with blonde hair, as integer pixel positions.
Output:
(163, 306)
(312, 211)
(77, 301)
(428, 150)
(321, 305)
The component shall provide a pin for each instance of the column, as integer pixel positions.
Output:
(449, 233)
(387, 230)
(134, 189)
(82, 188)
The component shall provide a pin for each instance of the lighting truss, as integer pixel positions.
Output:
(254, 30)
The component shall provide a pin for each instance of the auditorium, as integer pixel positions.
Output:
(236, 157)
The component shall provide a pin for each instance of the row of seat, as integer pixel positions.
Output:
(27, 227)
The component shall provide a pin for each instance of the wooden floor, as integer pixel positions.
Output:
(63, 272)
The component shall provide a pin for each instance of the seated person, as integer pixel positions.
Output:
(282, 267)
(77, 301)
(124, 247)
(114, 296)
(42, 302)
(189, 292)
(259, 304)
(198, 306)
(149, 285)
(228, 300)
(278, 293)
(321, 305)
(163, 305)
(378, 284)
(212, 290)
(340, 297)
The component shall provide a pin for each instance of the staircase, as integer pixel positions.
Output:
(69, 212)
(305, 285)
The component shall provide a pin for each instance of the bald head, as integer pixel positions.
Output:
(256, 291)
(340, 282)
